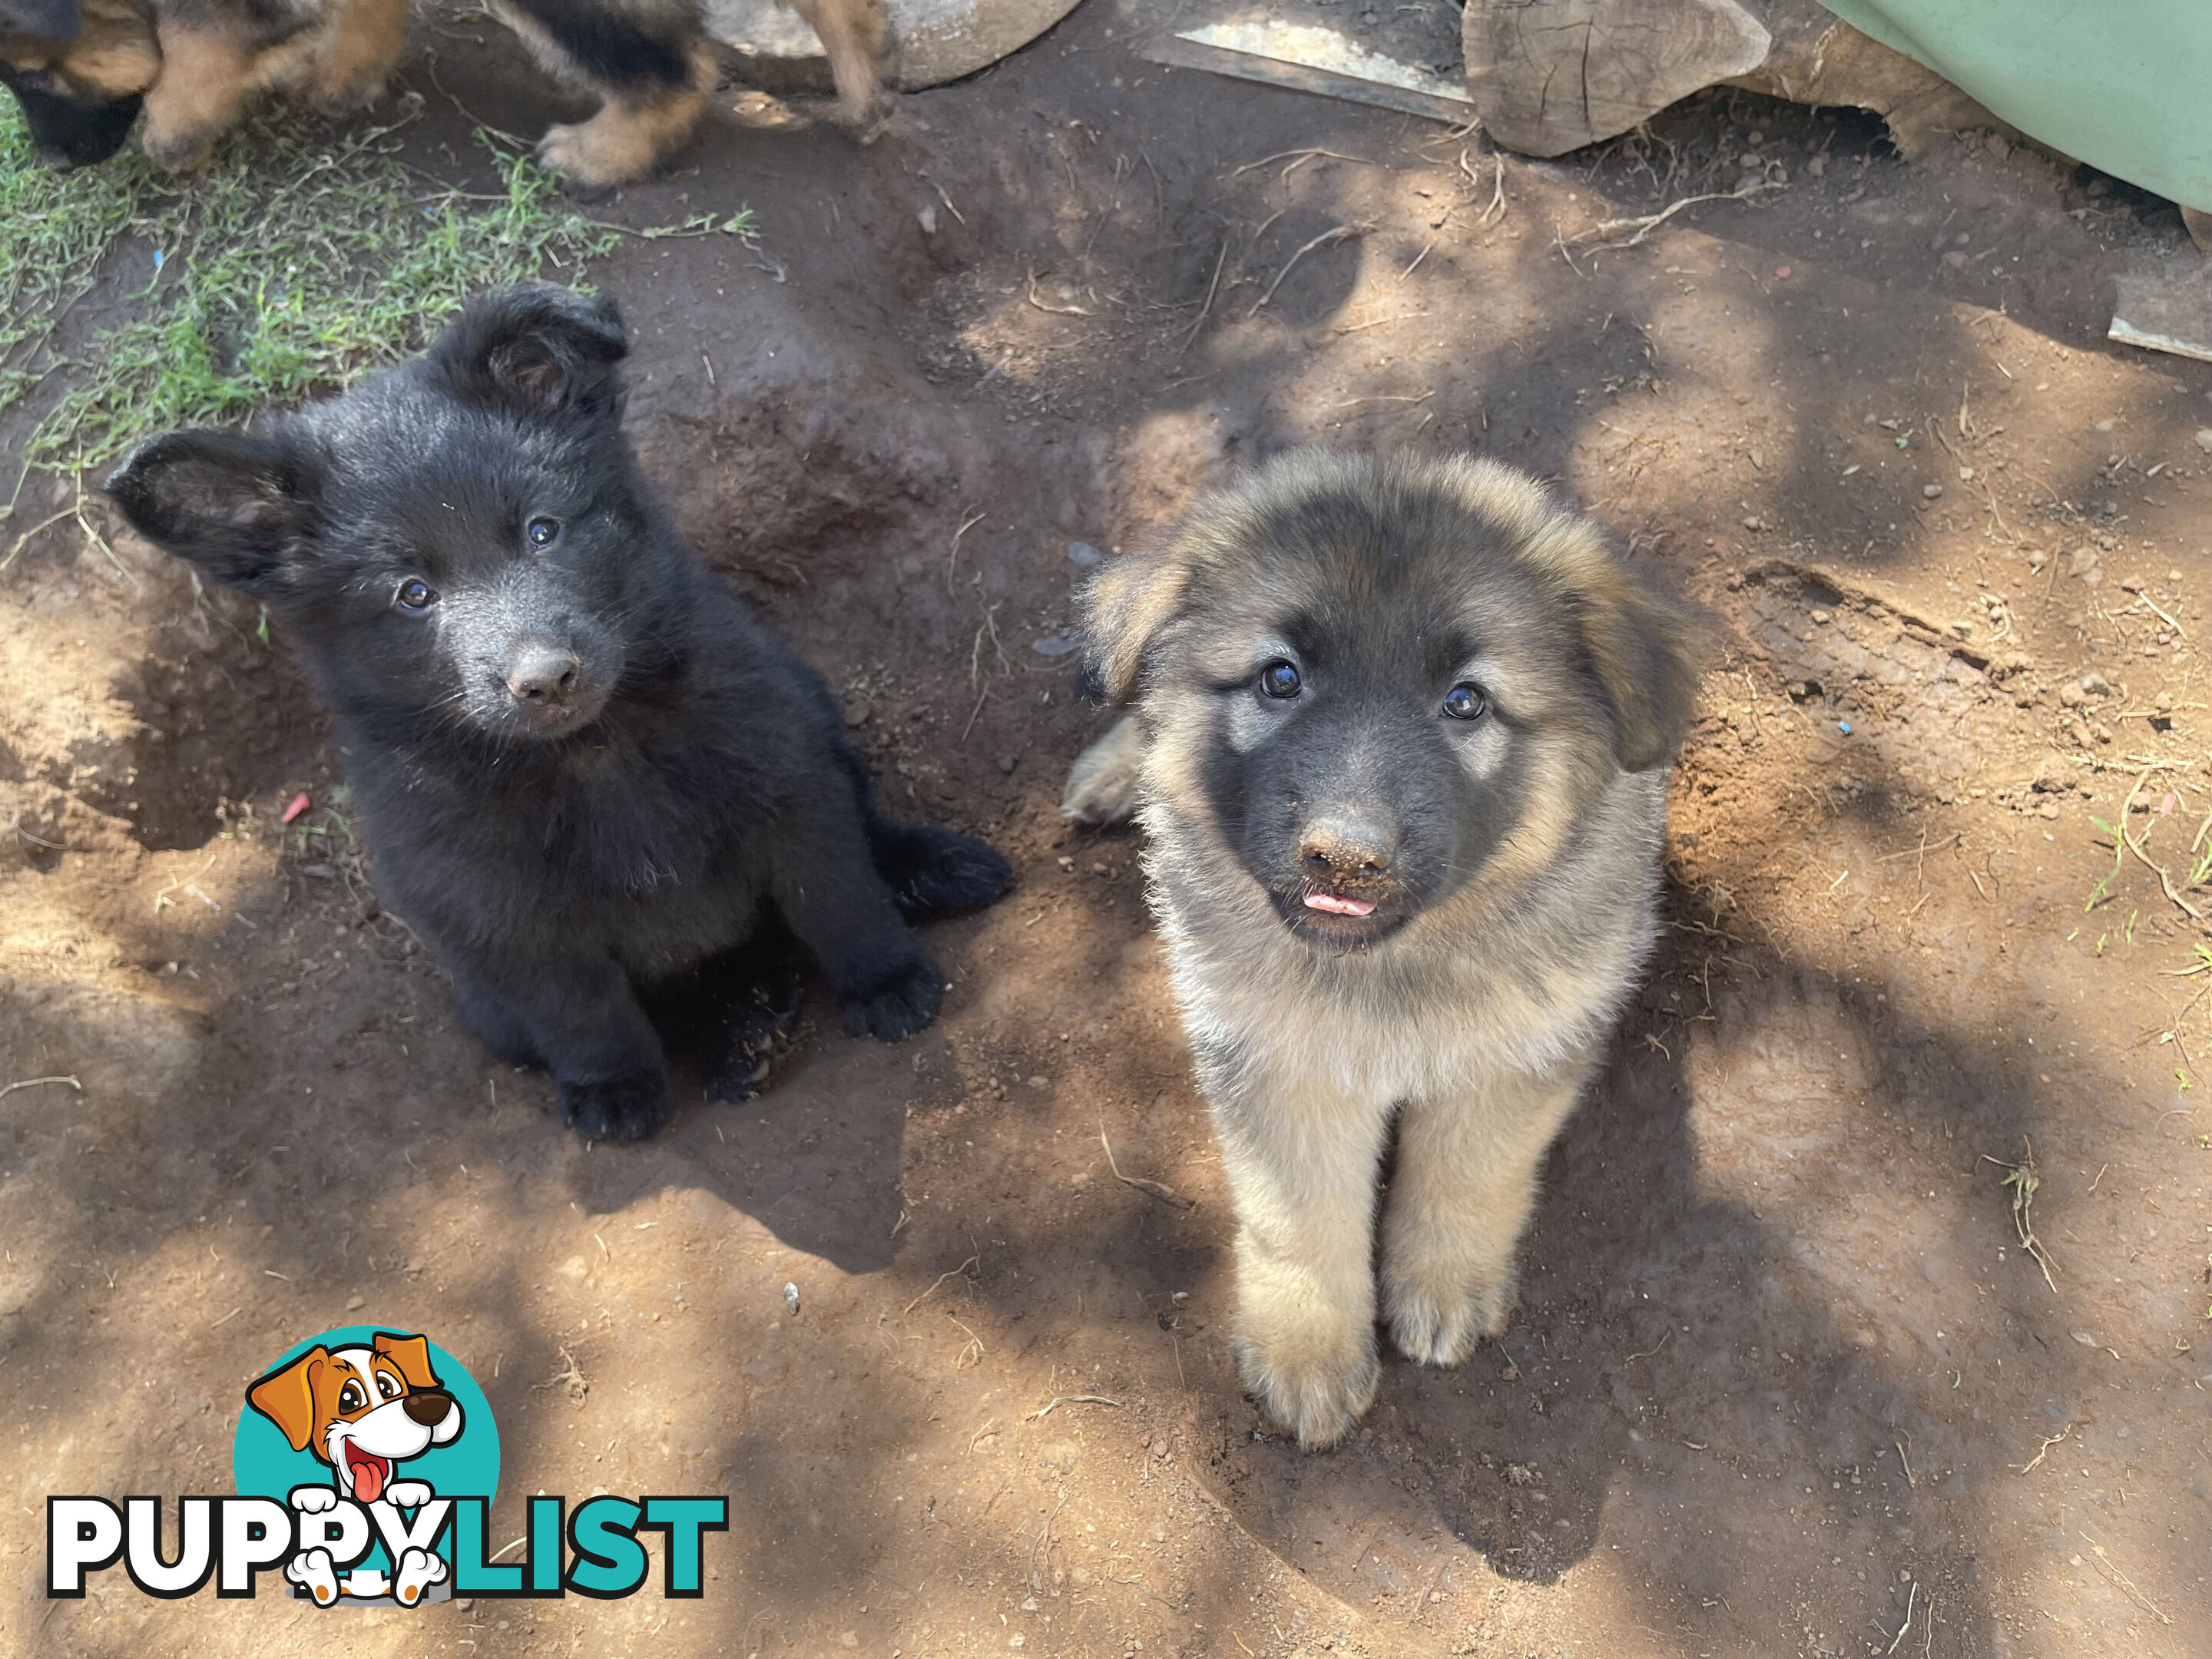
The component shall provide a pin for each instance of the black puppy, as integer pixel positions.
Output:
(586, 771)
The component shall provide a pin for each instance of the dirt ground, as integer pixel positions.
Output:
(1784, 1379)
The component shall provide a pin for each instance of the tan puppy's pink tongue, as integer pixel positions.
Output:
(368, 1477)
(1336, 904)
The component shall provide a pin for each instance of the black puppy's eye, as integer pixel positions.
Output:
(1465, 702)
(542, 531)
(415, 594)
(1279, 679)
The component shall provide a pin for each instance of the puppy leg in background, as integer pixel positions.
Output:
(365, 41)
(649, 62)
(1101, 784)
(1460, 1197)
(1302, 1161)
(580, 1017)
(851, 34)
(832, 896)
(206, 75)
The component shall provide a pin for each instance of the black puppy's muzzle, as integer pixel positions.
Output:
(70, 132)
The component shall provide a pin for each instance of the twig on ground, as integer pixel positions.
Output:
(1496, 197)
(1060, 1399)
(2123, 1580)
(2025, 1183)
(1157, 1189)
(1912, 1595)
(33, 1082)
(2049, 1441)
(1341, 232)
(952, 557)
(1298, 158)
(1206, 310)
(972, 1262)
(1651, 222)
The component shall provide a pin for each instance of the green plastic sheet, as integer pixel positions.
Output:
(2125, 85)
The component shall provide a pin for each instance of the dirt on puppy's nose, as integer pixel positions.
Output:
(428, 1407)
(541, 674)
(1348, 849)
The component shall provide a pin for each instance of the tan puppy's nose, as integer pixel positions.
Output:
(1347, 846)
(428, 1407)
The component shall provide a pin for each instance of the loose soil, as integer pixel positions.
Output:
(1784, 1379)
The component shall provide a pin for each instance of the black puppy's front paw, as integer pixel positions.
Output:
(620, 1108)
(892, 996)
(935, 872)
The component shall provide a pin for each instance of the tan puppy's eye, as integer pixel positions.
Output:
(387, 1385)
(350, 1398)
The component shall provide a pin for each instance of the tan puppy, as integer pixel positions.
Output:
(81, 68)
(1399, 743)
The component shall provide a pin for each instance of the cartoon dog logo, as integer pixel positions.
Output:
(363, 1411)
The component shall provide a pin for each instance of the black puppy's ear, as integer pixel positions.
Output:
(533, 349)
(48, 19)
(1646, 651)
(230, 504)
(1127, 603)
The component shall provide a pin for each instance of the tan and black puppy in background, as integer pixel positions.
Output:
(1400, 739)
(81, 70)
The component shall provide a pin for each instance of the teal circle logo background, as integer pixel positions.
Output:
(263, 1464)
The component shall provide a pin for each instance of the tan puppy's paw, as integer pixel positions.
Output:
(1437, 1319)
(346, 94)
(178, 150)
(1316, 1397)
(1101, 784)
(1310, 1364)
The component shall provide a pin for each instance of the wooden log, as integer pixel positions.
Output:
(1550, 76)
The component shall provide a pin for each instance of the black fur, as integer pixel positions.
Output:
(67, 129)
(586, 771)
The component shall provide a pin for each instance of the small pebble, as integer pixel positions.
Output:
(1083, 553)
(1933, 492)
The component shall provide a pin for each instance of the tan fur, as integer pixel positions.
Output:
(113, 55)
(851, 34)
(206, 78)
(630, 138)
(1475, 1026)
(357, 53)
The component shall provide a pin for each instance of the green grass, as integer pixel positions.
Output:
(295, 262)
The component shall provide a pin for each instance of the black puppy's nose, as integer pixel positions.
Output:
(1346, 847)
(541, 674)
(428, 1407)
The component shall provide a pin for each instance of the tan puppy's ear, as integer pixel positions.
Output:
(287, 1397)
(1646, 651)
(1126, 605)
(410, 1353)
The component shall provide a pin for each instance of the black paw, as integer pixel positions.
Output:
(621, 1108)
(896, 995)
(750, 1038)
(934, 873)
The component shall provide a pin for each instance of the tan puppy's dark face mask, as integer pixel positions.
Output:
(79, 69)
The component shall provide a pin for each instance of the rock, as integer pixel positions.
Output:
(2205, 439)
(1083, 553)
(2095, 684)
(1055, 645)
(1932, 492)
(2072, 695)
